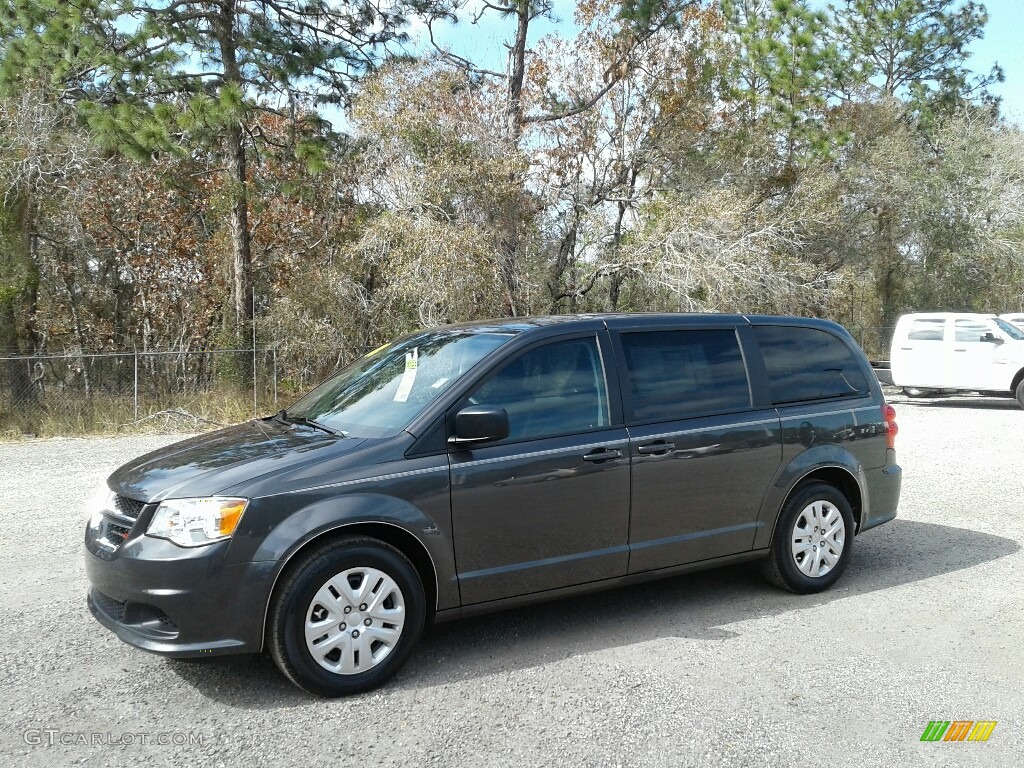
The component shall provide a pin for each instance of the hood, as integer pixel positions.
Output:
(209, 463)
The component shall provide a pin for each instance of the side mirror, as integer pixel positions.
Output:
(992, 338)
(479, 424)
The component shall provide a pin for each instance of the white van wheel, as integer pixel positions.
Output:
(916, 392)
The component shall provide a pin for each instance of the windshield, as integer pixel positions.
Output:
(1009, 329)
(379, 394)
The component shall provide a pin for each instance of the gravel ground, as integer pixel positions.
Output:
(713, 669)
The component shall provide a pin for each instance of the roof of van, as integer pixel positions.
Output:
(944, 315)
(625, 319)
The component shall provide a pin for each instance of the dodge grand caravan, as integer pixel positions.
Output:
(474, 467)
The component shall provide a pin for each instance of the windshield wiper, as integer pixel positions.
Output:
(284, 418)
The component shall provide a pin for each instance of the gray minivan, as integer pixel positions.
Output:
(473, 467)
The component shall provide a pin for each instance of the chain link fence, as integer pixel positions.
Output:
(874, 340)
(168, 391)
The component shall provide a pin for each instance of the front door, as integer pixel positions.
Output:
(547, 507)
(971, 358)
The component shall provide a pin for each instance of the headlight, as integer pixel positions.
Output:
(102, 499)
(194, 522)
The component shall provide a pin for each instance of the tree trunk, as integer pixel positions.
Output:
(241, 243)
(888, 271)
(19, 287)
(510, 245)
(241, 246)
(517, 71)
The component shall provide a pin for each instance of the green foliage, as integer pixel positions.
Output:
(55, 44)
(917, 50)
(783, 73)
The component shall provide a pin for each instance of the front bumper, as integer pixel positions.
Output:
(176, 601)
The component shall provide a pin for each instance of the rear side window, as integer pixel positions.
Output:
(926, 330)
(808, 364)
(682, 374)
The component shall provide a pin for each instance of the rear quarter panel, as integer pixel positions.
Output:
(849, 436)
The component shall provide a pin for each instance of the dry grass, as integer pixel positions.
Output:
(116, 415)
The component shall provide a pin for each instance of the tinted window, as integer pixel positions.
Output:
(926, 330)
(680, 374)
(556, 389)
(808, 364)
(971, 330)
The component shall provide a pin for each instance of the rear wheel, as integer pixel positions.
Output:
(1019, 393)
(347, 616)
(813, 540)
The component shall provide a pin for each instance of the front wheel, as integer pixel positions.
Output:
(917, 392)
(1019, 393)
(346, 617)
(812, 541)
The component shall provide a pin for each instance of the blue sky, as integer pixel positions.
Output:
(1002, 44)
(1004, 34)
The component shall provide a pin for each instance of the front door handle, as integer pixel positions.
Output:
(602, 454)
(656, 448)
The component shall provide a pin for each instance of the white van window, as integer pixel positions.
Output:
(926, 330)
(971, 330)
(1009, 329)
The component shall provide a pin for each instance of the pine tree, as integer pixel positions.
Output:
(917, 50)
(169, 75)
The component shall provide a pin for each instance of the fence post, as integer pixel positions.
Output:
(135, 386)
(275, 377)
(254, 406)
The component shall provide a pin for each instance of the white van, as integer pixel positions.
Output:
(956, 352)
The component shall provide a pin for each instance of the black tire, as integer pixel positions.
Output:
(917, 392)
(782, 568)
(293, 602)
(1019, 393)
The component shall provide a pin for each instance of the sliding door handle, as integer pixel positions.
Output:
(653, 449)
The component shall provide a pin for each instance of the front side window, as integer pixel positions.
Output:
(379, 394)
(675, 375)
(971, 330)
(1009, 328)
(556, 389)
(808, 364)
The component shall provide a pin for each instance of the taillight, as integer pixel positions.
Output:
(891, 427)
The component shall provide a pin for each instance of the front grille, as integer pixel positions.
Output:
(128, 507)
(118, 522)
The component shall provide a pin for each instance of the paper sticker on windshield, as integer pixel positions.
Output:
(409, 377)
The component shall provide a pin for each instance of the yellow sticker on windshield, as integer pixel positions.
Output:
(373, 352)
(409, 376)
